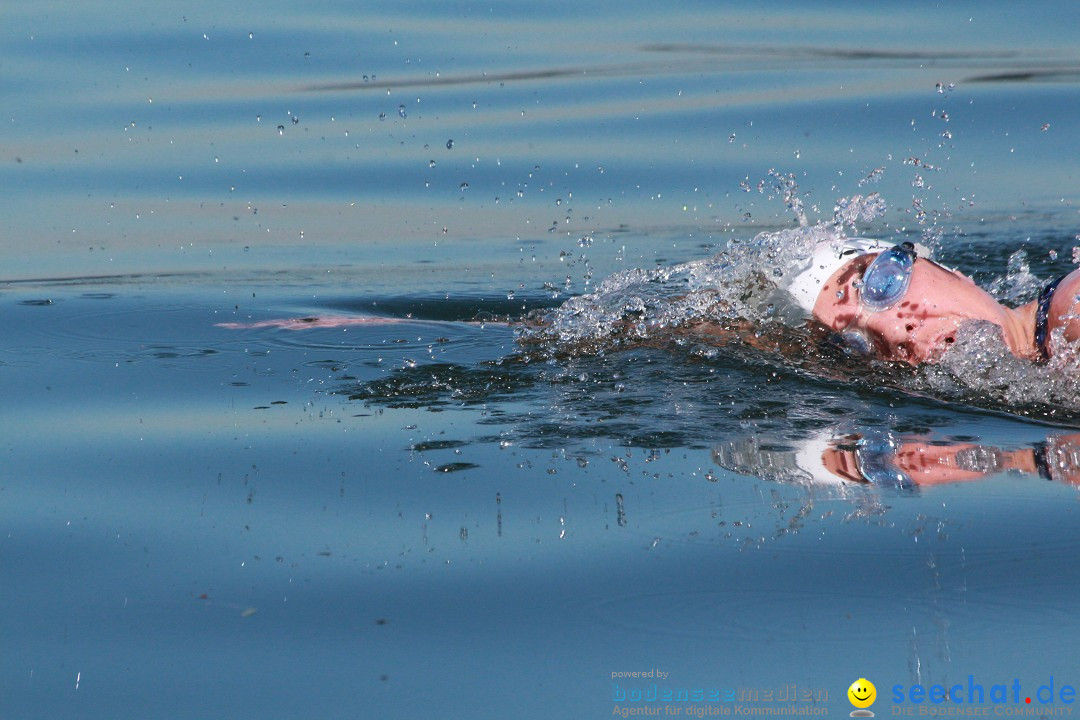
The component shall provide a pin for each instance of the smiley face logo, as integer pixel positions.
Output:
(862, 693)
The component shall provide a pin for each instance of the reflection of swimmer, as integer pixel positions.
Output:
(886, 460)
(894, 304)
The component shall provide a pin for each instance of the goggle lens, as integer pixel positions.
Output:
(874, 458)
(887, 278)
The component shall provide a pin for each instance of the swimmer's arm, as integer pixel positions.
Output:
(743, 332)
(337, 321)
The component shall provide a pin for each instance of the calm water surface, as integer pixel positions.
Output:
(408, 519)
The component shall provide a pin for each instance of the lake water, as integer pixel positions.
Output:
(202, 515)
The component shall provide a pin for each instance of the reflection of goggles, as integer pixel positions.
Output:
(874, 459)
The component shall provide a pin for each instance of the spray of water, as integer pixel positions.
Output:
(743, 282)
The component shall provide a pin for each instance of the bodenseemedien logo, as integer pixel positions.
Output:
(862, 695)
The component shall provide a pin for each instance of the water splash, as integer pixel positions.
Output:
(744, 282)
(1018, 284)
(981, 370)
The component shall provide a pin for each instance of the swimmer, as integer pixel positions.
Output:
(891, 302)
(897, 304)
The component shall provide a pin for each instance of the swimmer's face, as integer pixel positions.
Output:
(862, 693)
(922, 324)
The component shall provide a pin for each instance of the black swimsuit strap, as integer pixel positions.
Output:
(1042, 462)
(1042, 316)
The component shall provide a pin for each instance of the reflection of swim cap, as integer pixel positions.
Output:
(800, 461)
(828, 257)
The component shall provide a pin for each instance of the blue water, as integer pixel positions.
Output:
(418, 519)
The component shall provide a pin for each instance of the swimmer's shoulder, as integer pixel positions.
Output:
(1065, 306)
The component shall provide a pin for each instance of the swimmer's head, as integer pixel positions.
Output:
(805, 284)
(819, 459)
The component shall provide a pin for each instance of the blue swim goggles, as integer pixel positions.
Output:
(875, 456)
(883, 284)
(886, 280)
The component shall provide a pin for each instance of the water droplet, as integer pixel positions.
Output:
(401, 111)
(510, 295)
(450, 144)
(464, 186)
(431, 163)
(382, 116)
(280, 129)
(731, 138)
(251, 36)
(295, 120)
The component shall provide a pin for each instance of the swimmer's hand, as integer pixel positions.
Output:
(336, 321)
